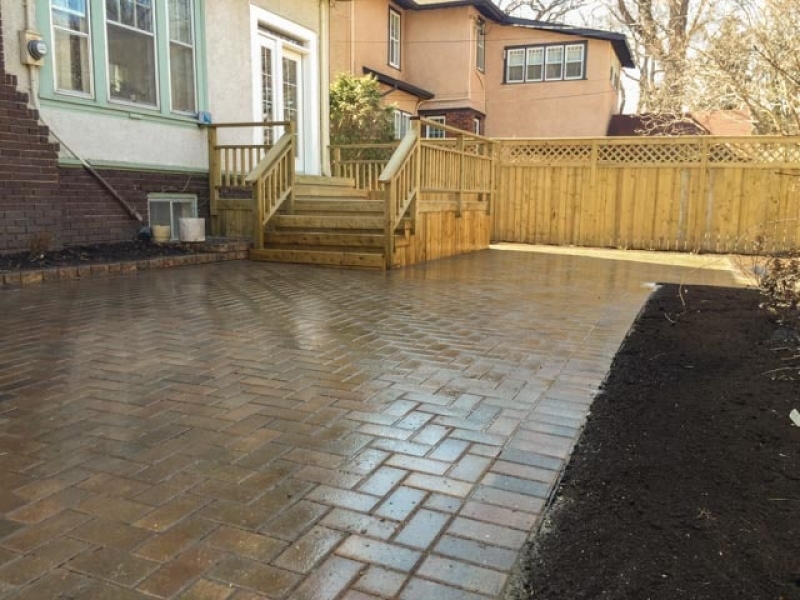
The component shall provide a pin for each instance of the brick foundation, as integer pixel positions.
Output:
(48, 206)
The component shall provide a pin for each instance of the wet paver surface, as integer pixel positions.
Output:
(251, 430)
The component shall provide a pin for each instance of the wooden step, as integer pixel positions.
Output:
(307, 238)
(327, 206)
(328, 191)
(327, 223)
(364, 260)
(322, 180)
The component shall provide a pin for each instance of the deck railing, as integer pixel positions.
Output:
(459, 165)
(363, 163)
(272, 181)
(231, 160)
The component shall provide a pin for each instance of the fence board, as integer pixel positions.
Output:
(691, 193)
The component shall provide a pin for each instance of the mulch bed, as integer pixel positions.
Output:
(686, 481)
(94, 254)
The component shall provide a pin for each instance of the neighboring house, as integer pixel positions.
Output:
(467, 64)
(713, 122)
(128, 85)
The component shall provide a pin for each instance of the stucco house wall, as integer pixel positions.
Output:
(549, 108)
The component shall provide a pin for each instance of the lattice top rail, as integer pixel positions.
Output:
(688, 150)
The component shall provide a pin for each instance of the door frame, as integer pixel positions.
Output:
(267, 25)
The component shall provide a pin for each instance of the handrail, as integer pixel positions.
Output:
(272, 181)
(400, 179)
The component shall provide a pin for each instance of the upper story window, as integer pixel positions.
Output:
(546, 62)
(142, 55)
(480, 46)
(394, 38)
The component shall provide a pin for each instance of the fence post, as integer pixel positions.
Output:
(418, 166)
(389, 208)
(213, 180)
(701, 229)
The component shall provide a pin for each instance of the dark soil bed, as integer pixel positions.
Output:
(82, 255)
(686, 482)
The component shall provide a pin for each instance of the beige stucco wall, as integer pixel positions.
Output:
(548, 108)
(438, 55)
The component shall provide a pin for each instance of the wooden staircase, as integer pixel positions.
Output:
(331, 223)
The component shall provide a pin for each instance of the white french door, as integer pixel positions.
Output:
(282, 97)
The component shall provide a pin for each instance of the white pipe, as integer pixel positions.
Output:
(324, 85)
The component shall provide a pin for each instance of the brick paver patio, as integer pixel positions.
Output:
(253, 431)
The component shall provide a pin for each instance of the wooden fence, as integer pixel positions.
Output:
(700, 194)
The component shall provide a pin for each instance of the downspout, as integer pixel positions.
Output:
(33, 98)
(324, 85)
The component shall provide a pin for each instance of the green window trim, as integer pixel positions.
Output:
(99, 100)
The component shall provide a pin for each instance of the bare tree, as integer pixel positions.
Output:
(752, 62)
(662, 33)
(552, 11)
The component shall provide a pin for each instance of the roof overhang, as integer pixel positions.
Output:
(399, 85)
(490, 10)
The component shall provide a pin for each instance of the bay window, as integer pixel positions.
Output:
(135, 53)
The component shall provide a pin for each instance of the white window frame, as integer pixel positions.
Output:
(568, 62)
(530, 57)
(434, 133)
(402, 123)
(289, 36)
(544, 55)
(171, 200)
(395, 38)
(555, 51)
(476, 125)
(512, 52)
(480, 45)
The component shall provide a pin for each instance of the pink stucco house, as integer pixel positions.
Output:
(469, 65)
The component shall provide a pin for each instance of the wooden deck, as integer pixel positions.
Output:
(389, 206)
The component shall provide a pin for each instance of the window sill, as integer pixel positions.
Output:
(122, 111)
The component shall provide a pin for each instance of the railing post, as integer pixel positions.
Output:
(337, 162)
(491, 151)
(213, 180)
(418, 166)
(461, 174)
(258, 214)
(291, 129)
(389, 208)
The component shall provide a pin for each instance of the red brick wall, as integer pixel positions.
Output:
(92, 215)
(41, 202)
(461, 118)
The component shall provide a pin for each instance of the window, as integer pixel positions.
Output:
(143, 52)
(573, 62)
(535, 64)
(131, 51)
(402, 123)
(169, 209)
(515, 65)
(394, 39)
(554, 68)
(480, 46)
(71, 46)
(181, 55)
(434, 132)
(550, 62)
(476, 126)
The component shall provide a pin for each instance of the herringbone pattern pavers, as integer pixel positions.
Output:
(245, 431)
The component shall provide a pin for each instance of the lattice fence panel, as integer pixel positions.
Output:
(526, 153)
